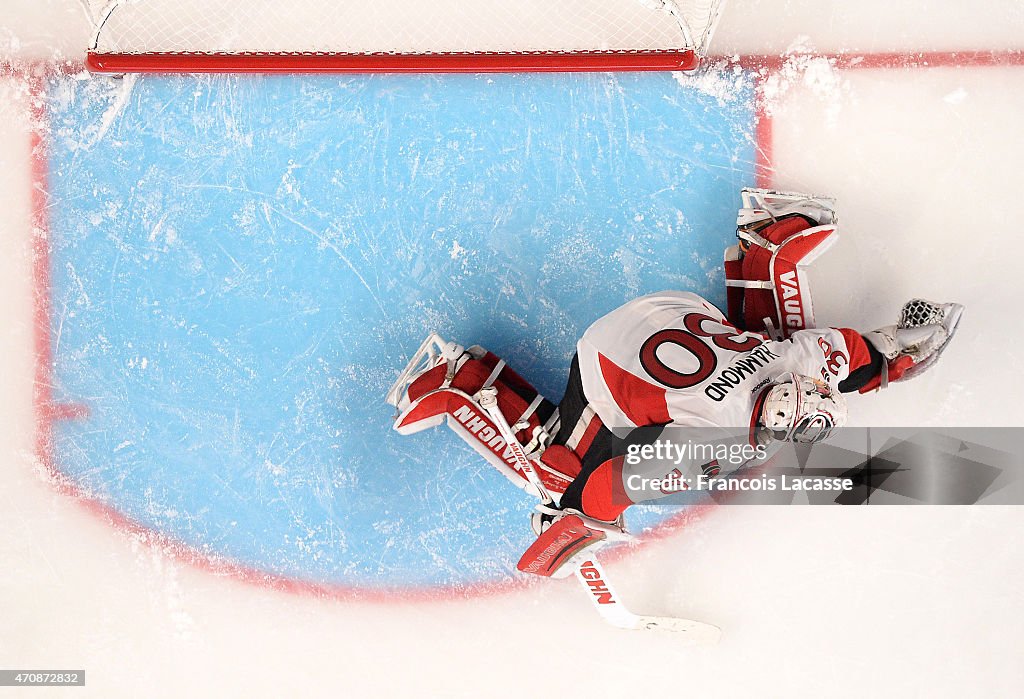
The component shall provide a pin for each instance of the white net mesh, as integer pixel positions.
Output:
(402, 26)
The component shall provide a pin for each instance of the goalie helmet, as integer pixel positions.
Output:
(802, 410)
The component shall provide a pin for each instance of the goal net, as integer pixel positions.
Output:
(400, 35)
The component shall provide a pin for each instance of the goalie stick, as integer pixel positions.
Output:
(590, 573)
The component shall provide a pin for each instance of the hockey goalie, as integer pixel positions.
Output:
(760, 373)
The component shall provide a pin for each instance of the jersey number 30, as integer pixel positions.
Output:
(694, 340)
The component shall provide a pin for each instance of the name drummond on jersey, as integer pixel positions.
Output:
(730, 378)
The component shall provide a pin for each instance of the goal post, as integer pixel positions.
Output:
(310, 36)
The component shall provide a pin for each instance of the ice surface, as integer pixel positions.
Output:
(815, 602)
(242, 265)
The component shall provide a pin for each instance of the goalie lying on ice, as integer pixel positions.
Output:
(758, 376)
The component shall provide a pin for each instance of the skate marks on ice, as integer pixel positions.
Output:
(242, 265)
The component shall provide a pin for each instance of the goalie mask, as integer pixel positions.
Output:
(802, 410)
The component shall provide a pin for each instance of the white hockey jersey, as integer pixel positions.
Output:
(673, 358)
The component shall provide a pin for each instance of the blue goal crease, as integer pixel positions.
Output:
(242, 265)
